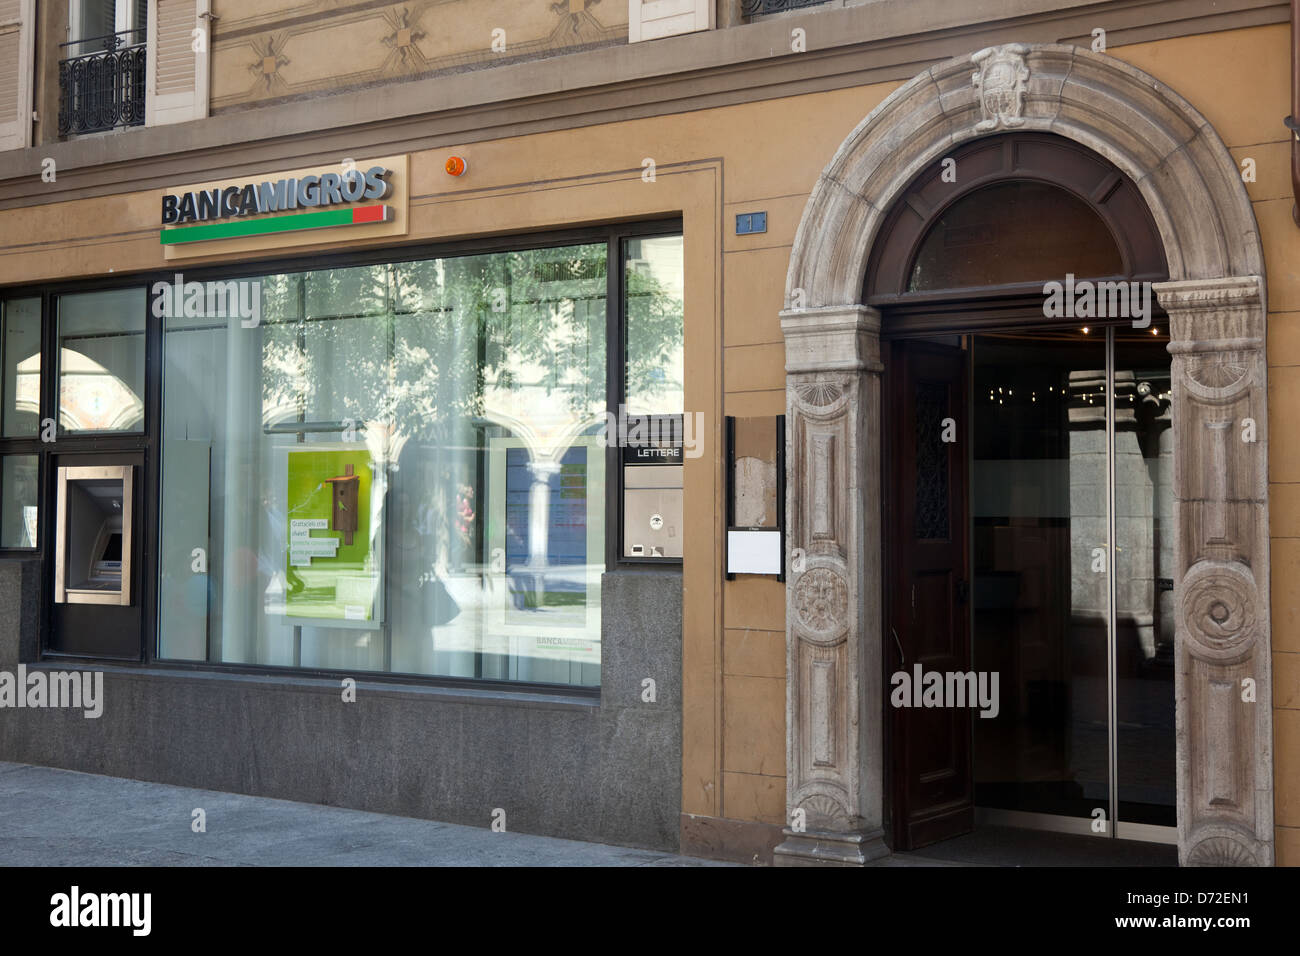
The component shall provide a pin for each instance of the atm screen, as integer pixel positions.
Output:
(92, 551)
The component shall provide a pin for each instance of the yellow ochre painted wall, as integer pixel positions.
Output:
(710, 165)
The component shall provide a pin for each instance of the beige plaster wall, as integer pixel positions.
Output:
(710, 165)
(266, 50)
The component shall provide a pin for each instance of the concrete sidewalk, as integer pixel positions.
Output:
(62, 818)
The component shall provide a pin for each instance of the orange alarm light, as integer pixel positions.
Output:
(455, 166)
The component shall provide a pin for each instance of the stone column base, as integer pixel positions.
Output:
(830, 848)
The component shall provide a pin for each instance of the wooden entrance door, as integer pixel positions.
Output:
(927, 627)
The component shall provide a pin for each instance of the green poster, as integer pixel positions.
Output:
(330, 562)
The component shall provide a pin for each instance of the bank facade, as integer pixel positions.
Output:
(635, 424)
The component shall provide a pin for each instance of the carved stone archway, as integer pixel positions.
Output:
(1215, 298)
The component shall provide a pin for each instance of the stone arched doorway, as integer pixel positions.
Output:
(1215, 302)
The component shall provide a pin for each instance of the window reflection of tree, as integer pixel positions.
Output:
(431, 359)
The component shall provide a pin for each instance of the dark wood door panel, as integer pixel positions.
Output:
(927, 609)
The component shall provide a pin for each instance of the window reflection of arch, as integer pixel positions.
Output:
(540, 453)
(27, 393)
(91, 398)
(542, 514)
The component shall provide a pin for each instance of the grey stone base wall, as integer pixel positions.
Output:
(607, 770)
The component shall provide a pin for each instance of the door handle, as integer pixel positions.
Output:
(902, 661)
(963, 591)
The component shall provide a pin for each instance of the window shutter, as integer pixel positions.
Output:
(652, 19)
(176, 85)
(17, 30)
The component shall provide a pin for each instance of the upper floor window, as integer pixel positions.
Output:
(124, 63)
(103, 65)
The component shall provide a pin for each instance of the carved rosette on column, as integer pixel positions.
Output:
(833, 687)
(1223, 681)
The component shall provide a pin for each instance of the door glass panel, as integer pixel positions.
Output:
(931, 518)
(1144, 577)
(91, 22)
(1038, 495)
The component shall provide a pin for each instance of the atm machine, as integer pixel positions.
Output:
(92, 553)
(96, 602)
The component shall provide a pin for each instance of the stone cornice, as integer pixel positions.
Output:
(1187, 295)
(1214, 315)
(740, 64)
(834, 338)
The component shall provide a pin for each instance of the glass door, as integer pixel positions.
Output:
(1071, 516)
(1142, 503)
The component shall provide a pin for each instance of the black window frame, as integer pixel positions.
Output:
(148, 441)
(31, 444)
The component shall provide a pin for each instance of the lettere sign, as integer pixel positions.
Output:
(352, 200)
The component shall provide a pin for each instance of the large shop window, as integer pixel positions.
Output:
(401, 467)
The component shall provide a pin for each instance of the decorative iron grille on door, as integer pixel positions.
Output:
(103, 89)
(758, 8)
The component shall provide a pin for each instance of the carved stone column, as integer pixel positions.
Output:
(834, 764)
(1223, 680)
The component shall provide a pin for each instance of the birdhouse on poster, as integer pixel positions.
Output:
(344, 516)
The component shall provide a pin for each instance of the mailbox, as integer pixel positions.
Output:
(652, 453)
(652, 511)
(93, 528)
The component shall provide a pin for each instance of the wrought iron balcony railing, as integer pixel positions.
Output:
(758, 8)
(103, 89)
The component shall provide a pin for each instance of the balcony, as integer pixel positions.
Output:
(103, 89)
(760, 8)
